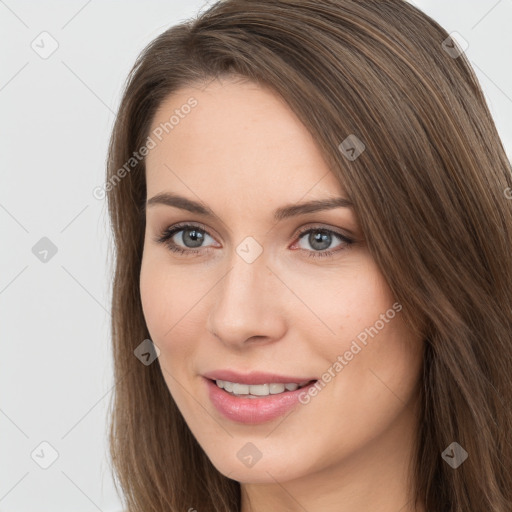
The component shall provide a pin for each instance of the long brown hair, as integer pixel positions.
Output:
(429, 191)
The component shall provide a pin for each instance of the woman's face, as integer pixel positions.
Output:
(263, 299)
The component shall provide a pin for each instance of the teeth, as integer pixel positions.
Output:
(240, 389)
(276, 388)
(258, 389)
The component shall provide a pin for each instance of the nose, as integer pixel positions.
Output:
(248, 305)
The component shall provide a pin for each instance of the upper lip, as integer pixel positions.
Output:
(254, 377)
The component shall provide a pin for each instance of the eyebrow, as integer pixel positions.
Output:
(281, 213)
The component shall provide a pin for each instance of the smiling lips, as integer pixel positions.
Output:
(255, 397)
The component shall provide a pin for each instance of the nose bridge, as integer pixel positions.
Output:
(246, 301)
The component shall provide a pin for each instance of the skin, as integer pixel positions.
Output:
(243, 152)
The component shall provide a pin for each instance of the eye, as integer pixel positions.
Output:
(320, 239)
(191, 237)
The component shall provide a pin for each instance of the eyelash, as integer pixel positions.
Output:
(167, 234)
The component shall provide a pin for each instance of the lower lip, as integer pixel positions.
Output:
(253, 410)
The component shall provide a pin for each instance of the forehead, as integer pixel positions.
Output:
(239, 139)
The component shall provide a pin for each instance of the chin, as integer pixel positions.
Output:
(266, 470)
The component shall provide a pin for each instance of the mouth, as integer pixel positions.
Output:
(255, 403)
(253, 391)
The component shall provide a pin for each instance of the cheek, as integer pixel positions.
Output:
(161, 308)
(172, 304)
(167, 296)
(381, 373)
(165, 315)
(344, 303)
(156, 300)
(358, 318)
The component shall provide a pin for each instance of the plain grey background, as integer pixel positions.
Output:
(57, 113)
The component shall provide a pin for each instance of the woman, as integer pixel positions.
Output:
(312, 300)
